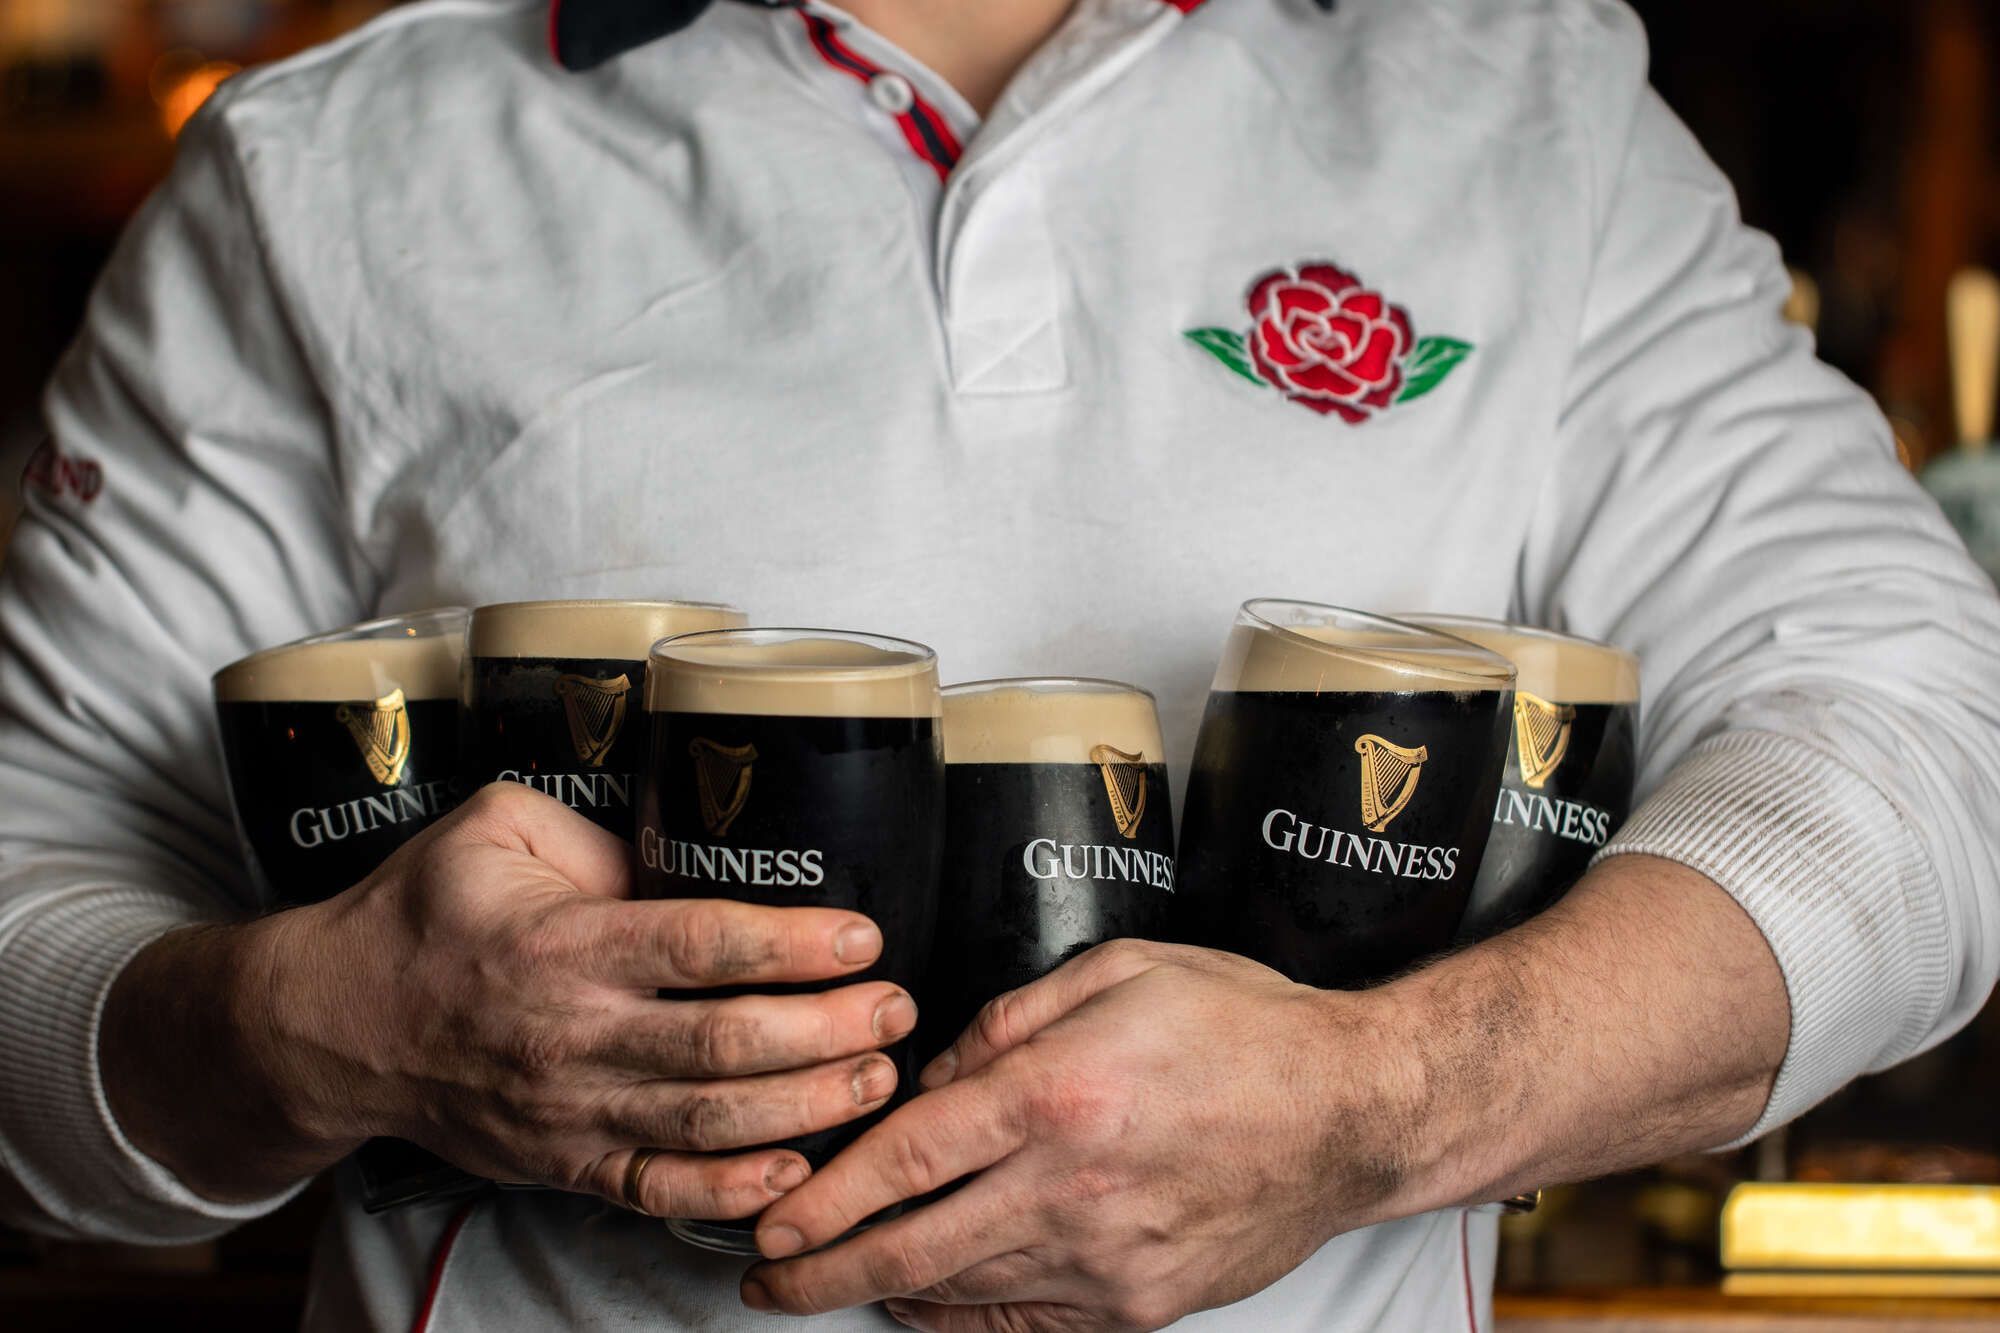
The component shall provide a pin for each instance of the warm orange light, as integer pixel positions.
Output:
(184, 96)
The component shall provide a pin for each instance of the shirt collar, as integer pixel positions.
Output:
(583, 34)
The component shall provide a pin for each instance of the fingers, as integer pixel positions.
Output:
(1030, 1317)
(510, 815)
(1010, 1019)
(755, 1034)
(907, 1254)
(1005, 1279)
(923, 1145)
(695, 943)
(699, 1186)
(742, 1112)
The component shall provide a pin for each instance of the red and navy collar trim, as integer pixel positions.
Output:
(923, 125)
(583, 34)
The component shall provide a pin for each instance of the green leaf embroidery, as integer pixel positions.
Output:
(1226, 346)
(1432, 360)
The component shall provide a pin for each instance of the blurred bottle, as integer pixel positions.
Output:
(1966, 481)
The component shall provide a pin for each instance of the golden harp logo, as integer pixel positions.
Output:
(596, 710)
(1541, 735)
(722, 781)
(381, 731)
(1125, 782)
(1389, 774)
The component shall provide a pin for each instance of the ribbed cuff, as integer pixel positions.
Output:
(1837, 881)
(60, 1139)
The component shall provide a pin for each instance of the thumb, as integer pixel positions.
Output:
(1008, 1020)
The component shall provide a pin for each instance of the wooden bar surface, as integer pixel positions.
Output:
(1706, 1310)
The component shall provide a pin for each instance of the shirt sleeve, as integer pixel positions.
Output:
(184, 510)
(1821, 724)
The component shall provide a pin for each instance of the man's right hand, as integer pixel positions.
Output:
(489, 993)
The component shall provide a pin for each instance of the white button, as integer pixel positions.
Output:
(892, 92)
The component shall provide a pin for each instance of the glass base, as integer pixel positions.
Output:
(394, 1173)
(721, 1237)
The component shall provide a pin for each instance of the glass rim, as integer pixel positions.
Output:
(1501, 672)
(602, 628)
(1428, 619)
(446, 619)
(604, 604)
(1074, 684)
(921, 656)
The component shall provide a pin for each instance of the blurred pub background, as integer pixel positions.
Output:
(1860, 133)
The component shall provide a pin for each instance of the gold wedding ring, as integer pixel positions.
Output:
(635, 1177)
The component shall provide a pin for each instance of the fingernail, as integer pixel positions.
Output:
(756, 1297)
(786, 1175)
(873, 1081)
(858, 942)
(894, 1017)
(940, 1071)
(899, 1312)
(778, 1241)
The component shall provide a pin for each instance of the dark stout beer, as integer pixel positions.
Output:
(340, 748)
(1341, 793)
(798, 768)
(1566, 783)
(1059, 835)
(555, 697)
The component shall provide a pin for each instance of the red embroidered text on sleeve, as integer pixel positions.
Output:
(57, 474)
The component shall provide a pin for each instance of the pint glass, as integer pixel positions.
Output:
(555, 697)
(798, 768)
(1341, 793)
(1566, 780)
(1059, 835)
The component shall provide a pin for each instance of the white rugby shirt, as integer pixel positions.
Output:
(1417, 303)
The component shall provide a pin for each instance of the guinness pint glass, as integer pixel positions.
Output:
(339, 748)
(798, 768)
(1342, 790)
(555, 697)
(1059, 835)
(1566, 782)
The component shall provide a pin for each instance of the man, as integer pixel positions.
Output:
(1044, 333)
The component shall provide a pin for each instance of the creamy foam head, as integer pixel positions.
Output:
(1048, 721)
(1300, 647)
(1560, 668)
(417, 654)
(792, 673)
(602, 629)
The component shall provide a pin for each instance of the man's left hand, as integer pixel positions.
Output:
(1156, 1130)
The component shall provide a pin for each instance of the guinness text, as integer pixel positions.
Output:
(1566, 819)
(781, 868)
(1045, 858)
(578, 791)
(1285, 832)
(311, 826)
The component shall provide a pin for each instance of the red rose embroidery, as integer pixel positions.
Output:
(1329, 343)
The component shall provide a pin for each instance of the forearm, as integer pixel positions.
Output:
(191, 1055)
(1642, 1016)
